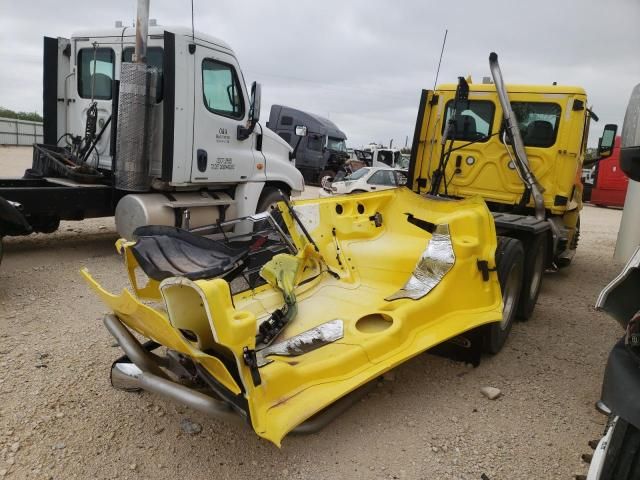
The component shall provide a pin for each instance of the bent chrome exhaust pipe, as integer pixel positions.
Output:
(521, 160)
(144, 373)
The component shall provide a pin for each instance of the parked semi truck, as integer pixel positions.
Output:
(610, 184)
(322, 153)
(521, 148)
(154, 125)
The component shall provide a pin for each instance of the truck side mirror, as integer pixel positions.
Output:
(607, 141)
(301, 131)
(630, 144)
(254, 112)
(256, 98)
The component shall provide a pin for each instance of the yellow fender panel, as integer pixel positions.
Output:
(154, 324)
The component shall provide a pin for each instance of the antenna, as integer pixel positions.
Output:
(444, 41)
(193, 32)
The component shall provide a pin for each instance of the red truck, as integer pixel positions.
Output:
(609, 181)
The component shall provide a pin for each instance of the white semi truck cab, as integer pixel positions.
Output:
(164, 132)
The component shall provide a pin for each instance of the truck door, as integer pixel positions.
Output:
(56, 74)
(220, 106)
(93, 82)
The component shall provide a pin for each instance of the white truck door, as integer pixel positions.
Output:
(95, 67)
(220, 106)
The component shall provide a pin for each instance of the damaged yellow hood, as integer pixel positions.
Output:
(394, 275)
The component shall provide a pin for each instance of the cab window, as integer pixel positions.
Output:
(315, 142)
(472, 124)
(95, 73)
(382, 177)
(401, 178)
(221, 90)
(538, 122)
(155, 58)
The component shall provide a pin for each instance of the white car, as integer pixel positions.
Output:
(367, 179)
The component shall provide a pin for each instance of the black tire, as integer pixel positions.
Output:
(45, 223)
(1, 249)
(268, 199)
(573, 245)
(359, 191)
(576, 236)
(325, 173)
(622, 461)
(510, 265)
(534, 265)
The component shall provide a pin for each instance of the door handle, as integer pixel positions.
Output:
(201, 157)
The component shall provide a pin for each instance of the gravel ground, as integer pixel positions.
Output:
(60, 419)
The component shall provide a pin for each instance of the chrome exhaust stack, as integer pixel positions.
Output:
(140, 370)
(521, 160)
(143, 372)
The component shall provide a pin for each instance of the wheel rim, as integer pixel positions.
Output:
(538, 268)
(510, 295)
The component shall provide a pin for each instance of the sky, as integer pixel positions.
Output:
(363, 63)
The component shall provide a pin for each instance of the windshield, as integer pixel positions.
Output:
(358, 174)
(337, 144)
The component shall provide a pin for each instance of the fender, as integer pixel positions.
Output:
(12, 221)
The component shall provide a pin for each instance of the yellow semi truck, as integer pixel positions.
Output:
(520, 148)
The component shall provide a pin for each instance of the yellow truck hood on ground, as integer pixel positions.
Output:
(381, 287)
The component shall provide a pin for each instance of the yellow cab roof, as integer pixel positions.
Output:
(490, 87)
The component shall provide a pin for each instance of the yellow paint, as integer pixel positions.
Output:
(557, 167)
(372, 263)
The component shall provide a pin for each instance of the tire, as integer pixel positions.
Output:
(510, 266)
(45, 224)
(576, 236)
(1, 250)
(534, 265)
(622, 460)
(359, 191)
(325, 173)
(269, 197)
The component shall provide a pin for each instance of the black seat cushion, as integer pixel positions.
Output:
(164, 252)
(539, 133)
(466, 128)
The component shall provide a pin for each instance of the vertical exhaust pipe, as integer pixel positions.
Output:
(136, 114)
(521, 160)
(142, 31)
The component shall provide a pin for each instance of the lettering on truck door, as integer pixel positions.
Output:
(221, 105)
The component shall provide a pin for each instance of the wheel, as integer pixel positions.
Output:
(510, 266)
(269, 197)
(576, 236)
(1, 249)
(45, 223)
(324, 174)
(359, 191)
(622, 457)
(563, 262)
(534, 264)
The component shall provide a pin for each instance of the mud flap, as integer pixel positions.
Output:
(621, 385)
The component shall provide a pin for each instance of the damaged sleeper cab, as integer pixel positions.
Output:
(368, 282)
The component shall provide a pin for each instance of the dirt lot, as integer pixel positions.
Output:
(60, 419)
